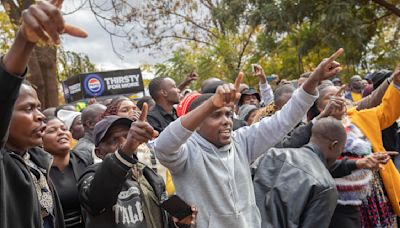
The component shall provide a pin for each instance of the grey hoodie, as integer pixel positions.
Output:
(217, 180)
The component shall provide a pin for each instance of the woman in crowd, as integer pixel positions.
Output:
(247, 113)
(65, 171)
(123, 107)
(73, 123)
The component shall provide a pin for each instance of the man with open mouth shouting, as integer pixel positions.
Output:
(210, 164)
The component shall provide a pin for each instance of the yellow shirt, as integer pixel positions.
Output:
(356, 96)
(169, 184)
(371, 122)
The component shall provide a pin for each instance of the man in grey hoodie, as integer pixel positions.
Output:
(209, 162)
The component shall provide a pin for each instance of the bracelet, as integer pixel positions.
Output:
(122, 160)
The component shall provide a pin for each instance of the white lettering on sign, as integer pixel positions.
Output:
(122, 82)
(75, 88)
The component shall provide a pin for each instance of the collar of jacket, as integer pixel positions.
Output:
(163, 112)
(316, 150)
(88, 136)
(40, 157)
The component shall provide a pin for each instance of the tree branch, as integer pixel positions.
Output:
(244, 47)
(392, 8)
(186, 18)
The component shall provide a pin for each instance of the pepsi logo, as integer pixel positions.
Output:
(94, 85)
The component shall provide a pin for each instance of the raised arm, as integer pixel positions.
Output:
(226, 95)
(389, 110)
(169, 146)
(267, 96)
(41, 21)
(188, 80)
(12, 68)
(261, 136)
(375, 98)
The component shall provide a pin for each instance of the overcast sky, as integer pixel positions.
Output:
(98, 45)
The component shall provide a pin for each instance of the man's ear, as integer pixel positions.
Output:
(334, 144)
(89, 124)
(98, 154)
(163, 92)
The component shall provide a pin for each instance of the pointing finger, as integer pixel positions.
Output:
(341, 91)
(75, 31)
(392, 153)
(145, 109)
(238, 81)
(57, 3)
(336, 55)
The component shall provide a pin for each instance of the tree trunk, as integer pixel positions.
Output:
(42, 65)
(42, 70)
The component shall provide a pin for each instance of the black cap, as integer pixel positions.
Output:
(101, 128)
(249, 91)
(212, 88)
(379, 77)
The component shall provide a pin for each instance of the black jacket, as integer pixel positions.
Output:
(84, 148)
(301, 136)
(160, 119)
(108, 186)
(19, 205)
(79, 163)
(293, 188)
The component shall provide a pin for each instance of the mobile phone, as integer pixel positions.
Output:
(253, 68)
(176, 207)
(271, 78)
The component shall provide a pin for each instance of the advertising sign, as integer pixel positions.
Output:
(98, 84)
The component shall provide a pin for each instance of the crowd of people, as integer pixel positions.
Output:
(305, 153)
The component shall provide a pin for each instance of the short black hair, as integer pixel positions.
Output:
(212, 87)
(141, 101)
(155, 86)
(199, 100)
(50, 118)
(281, 90)
(91, 112)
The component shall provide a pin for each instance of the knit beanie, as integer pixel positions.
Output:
(184, 105)
(67, 117)
(245, 111)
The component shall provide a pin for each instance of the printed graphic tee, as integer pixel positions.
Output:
(128, 209)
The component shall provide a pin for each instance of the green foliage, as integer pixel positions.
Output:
(71, 63)
(290, 37)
